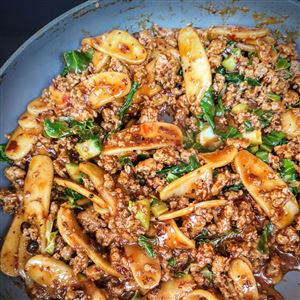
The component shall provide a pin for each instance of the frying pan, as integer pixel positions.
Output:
(39, 59)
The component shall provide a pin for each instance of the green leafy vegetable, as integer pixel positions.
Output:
(266, 235)
(208, 107)
(229, 63)
(253, 82)
(189, 139)
(237, 78)
(288, 170)
(263, 155)
(263, 117)
(235, 187)
(207, 273)
(251, 56)
(253, 149)
(128, 100)
(50, 236)
(234, 78)
(179, 170)
(76, 61)
(185, 271)
(125, 161)
(282, 64)
(56, 129)
(248, 125)
(172, 262)
(229, 132)
(220, 108)
(66, 127)
(158, 207)
(136, 296)
(3, 157)
(142, 156)
(201, 237)
(171, 177)
(273, 139)
(73, 197)
(147, 244)
(215, 240)
(89, 148)
(51, 243)
(274, 97)
(221, 70)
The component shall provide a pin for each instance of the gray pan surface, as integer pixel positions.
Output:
(39, 59)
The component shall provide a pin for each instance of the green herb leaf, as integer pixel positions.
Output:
(288, 170)
(266, 235)
(171, 177)
(207, 273)
(128, 100)
(172, 262)
(181, 169)
(67, 127)
(235, 187)
(201, 237)
(51, 243)
(229, 132)
(220, 108)
(263, 117)
(282, 64)
(263, 155)
(76, 61)
(215, 240)
(273, 139)
(234, 78)
(189, 139)
(147, 244)
(248, 126)
(56, 129)
(136, 296)
(73, 197)
(185, 271)
(3, 157)
(208, 107)
(252, 82)
(221, 70)
(274, 97)
(125, 161)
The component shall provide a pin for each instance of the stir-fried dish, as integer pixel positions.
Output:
(163, 164)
